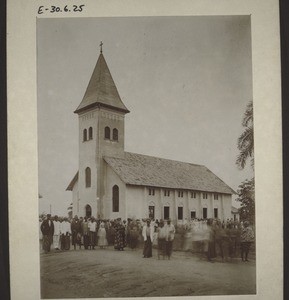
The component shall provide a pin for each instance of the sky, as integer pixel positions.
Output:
(185, 80)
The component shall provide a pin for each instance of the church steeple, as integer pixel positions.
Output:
(101, 90)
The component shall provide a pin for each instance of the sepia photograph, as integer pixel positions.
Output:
(146, 180)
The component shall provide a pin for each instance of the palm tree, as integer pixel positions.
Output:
(246, 139)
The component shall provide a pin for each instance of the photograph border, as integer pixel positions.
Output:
(22, 155)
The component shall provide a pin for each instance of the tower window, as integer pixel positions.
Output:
(87, 177)
(90, 133)
(205, 196)
(216, 196)
(115, 134)
(85, 135)
(107, 133)
(115, 198)
(180, 194)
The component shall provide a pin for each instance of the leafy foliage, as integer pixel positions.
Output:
(246, 191)
(246, 139)
(246, 195)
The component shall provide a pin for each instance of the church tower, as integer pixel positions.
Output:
(101, 115)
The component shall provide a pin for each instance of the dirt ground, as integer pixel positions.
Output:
(109, 273)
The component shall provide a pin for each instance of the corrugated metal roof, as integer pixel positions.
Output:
(101, 90)
(138, 169)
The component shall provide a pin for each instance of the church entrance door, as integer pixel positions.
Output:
(88, 211)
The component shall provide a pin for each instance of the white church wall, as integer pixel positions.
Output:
(227, 202)
(112, 120)
(194, 205)
(136, 204)
(75, 197)
(87, 150)
(79, 205)
(111, 180)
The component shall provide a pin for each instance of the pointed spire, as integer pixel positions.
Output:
(101, 90)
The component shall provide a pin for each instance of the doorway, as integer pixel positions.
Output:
(88, 211)
(205, 213)
(166, 212)
(151, 212)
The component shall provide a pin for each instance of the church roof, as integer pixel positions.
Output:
(101, 90)
(138, 169)
(72, 182)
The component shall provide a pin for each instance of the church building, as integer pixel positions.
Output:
(112, 183)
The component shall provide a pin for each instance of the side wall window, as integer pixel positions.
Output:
(115, 198)
(87, 177)
(107, 133)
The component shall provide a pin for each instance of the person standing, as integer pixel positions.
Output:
(161, 239)
(47, 229)
(76, 232)
(92, 233)
(247, 237)
(85, 232)
(148, 236)
(65, 234)
(170, 236)
(209, 241)
(133, 235)
(119, 240)
(57, 232)
(101, 234)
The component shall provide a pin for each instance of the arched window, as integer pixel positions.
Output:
(115, 198)
(88, 211)
(84, 135)
(115, 134)
(90, 133)
(87, 177)
(107, 132)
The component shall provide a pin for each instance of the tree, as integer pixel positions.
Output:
(246, 139)
(246, 191)
(246, 195)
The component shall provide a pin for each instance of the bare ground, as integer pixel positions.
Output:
(108, 273)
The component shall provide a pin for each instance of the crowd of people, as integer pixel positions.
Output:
(210, 236)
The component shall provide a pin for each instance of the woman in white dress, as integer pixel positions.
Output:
(101, 234)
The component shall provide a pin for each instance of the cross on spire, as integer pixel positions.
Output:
(101, 43)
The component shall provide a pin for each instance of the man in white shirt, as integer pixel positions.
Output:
(57, 232)
(92, 232)
(148, 236)
(65, 234)
(170, 229)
